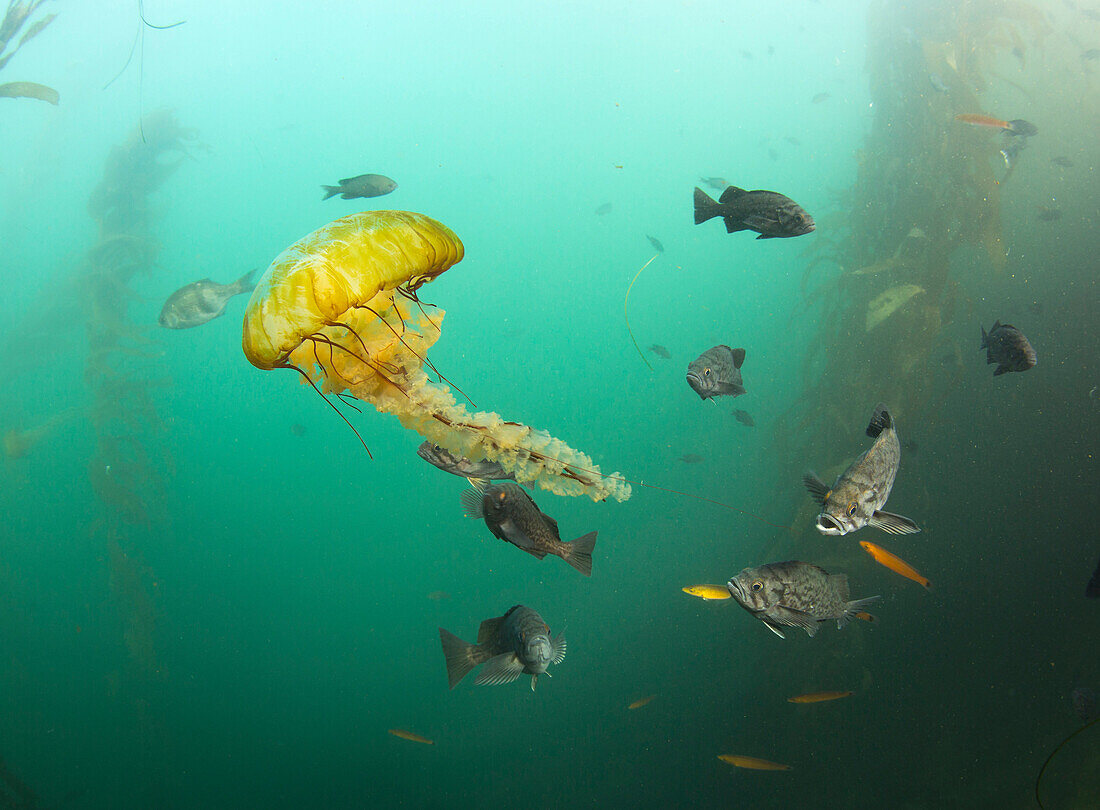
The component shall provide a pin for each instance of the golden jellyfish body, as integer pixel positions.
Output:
(340, 305)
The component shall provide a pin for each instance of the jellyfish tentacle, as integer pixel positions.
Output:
(329, 403)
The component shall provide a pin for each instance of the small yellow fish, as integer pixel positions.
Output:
(818, 697)
(637, 704)
(708, 591)
(753, 763)
(895, 563)
(408, 735)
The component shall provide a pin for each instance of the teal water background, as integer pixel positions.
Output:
(289, 575)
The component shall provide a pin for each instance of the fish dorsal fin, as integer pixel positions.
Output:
(503, 668)
(489, 630)
(738, 357)
(819, 490)
(559, 648)
(996, 325)
(892, 523)
(347, 180)
(731, 193)
(880, 421)
(472, 500)
(553, 524)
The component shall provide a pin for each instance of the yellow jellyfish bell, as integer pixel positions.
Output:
(340, 305)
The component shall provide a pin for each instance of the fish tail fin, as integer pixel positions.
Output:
(331, 191)
(705, 207)
(580, 553)
(855, 607)
(244, 283)
(460, 656)
(880, 421)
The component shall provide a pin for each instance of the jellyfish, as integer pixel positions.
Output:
(20, 441)
(341, 307)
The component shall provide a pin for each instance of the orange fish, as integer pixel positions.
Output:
(895, 564)
(753, 763)
(865, 616)
(408, 735)
(708, 591)
(983, 121)
(818, 697)
(637, 704)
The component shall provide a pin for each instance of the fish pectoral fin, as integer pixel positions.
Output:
(471, 501)
(893, 524)
(819, 490)
(773, 628)
(799, 618)
(559, 649)
(1000, 370)
(517, 537)
(503, 668)
(731, 389)
(765, 236)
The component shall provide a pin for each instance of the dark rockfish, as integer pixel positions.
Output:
(201, 301)
(1092, 590)
(660, 351)
(1007, 346)
(457, 465)
(512, 516)
(717, 372)
(1084, 703)
(857, 497)
(744, 417)
(795, 594)
(657, 246)
(365, 185)
(770, 214)
(718, 183)
(515, 643)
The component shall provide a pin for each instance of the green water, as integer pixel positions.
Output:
(248, 632)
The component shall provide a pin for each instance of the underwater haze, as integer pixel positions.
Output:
(212, 596)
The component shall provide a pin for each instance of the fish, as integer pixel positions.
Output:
(437, 596)
(201, 301)
(603, 210)
(364, 185)
(717, 183)
(937, 83)
(1084, 703)
(795, 594)
(512, 516)
(447, 461)
(408, 735)
(820, 97)
(1006, 346)
(708, 591)
(637, 704)
(717, 373)
(1091, 53)
(744, 417)
(1092, 590)
(895, 563)
(513, 644)
(793, 141)
(1048, 214)
(978, 120)
(768, 213)
(691, 458)
(660, 351)
(860, 492)
(752, 763)
(864, 616)
(772, 154)
(657, 246)
(1022, 128)
(1062, 161)
(819, 697)
(29, 90)
(298, 429)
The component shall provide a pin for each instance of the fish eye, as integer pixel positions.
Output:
(706, 372)
(502, 495)
(757, 585)
(851, 508)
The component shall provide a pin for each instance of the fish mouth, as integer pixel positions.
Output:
(734, 588)
(827, 524)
